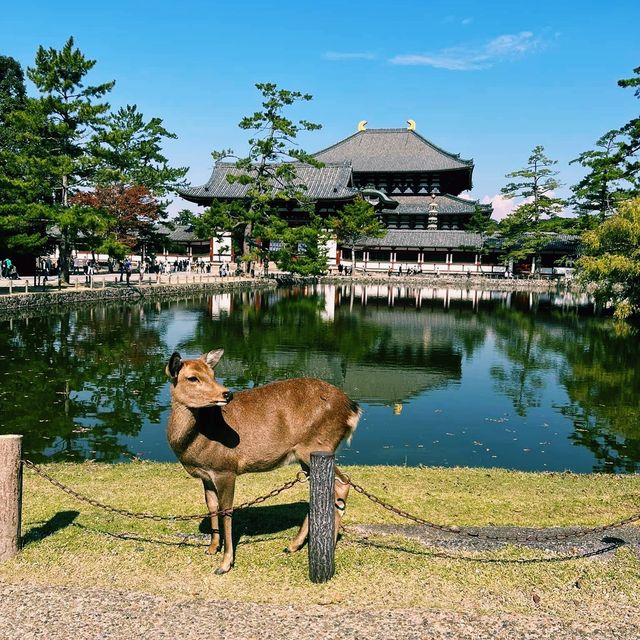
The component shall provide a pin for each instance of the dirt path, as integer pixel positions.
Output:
(33, 612)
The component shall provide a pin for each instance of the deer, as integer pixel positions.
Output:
(218, 435)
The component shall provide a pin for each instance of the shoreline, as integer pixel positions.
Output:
(73, 295)
(79, 293)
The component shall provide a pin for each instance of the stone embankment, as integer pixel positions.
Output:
(53, 297)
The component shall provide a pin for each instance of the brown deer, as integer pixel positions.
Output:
(218, 435)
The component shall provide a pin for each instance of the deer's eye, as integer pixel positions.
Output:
(192, 379)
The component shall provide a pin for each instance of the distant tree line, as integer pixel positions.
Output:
(71, 166)
(604, 210)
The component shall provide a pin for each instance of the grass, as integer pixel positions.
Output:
(71, 543)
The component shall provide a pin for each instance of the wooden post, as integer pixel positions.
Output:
(322, 518)
(10, 495)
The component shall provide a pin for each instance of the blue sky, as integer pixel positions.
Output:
(488, 80)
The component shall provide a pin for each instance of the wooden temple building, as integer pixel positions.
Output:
(415, 187)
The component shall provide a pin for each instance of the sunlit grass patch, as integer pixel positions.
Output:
(71, 543)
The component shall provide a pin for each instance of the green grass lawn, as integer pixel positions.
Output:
(67, 542)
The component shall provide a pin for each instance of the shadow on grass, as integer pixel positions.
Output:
(253, 522)
(612, 545)
(43, 530)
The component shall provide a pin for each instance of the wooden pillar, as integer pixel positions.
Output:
(10, 495)
(322, 519)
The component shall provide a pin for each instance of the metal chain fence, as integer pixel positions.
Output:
(476, 532)
(342, 477)
(301, 477)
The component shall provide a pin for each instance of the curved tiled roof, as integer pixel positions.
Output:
(555, 241)
(447, 204)
(392, 150)
(424, 239)
(331, 182)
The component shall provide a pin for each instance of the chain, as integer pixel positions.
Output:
(476, 533)
(342, 477)
(300, 478)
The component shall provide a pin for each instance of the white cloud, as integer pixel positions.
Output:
(502, 206)
(340, 55)
(466, 21)
(468, 58)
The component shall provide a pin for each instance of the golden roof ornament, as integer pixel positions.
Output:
(362, 125)
(412, 125)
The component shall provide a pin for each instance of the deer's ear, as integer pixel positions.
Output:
(213, 357)
(174, 366)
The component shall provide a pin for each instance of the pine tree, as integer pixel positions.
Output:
(269, 173)
(596, 195)
(63, 119)
(520, 232)
(356, 220)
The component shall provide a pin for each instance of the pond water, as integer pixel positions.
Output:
(445, 377)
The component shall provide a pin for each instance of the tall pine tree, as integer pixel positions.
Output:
(521, 233)
(64, 118)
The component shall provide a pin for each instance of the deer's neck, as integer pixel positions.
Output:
(181, 430)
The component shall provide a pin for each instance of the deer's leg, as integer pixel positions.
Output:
(298, 542)
(225, 484)
(211, 498)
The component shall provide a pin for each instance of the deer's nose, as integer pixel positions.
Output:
(228, 396)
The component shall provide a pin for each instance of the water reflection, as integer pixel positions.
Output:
(449, 377)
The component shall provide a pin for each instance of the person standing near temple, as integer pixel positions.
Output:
(90, 271)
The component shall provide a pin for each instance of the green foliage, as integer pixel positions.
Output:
(23, 216)
(221, 216)
(57, 146)
(536, 183)
(185, 217)
(268, 172)
(480, 222)
(614, 169)
(630, 149)
(50, 159)
(520, 232)
(128, 151)
(12, 97)
(596, 195)
(611, 260)
(356, 220)
(303, 247)
(72, 113)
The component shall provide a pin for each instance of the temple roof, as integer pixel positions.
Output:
(331, 182)
(392, 150)
(179, 232)
(556, 242)
(424, 239)
(442, 239)
(447, 204)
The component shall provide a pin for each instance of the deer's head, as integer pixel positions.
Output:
(194, 383)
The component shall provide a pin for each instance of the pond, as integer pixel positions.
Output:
(445, 377)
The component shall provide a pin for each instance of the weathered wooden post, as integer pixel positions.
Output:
(322, 519)
(10, 495)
